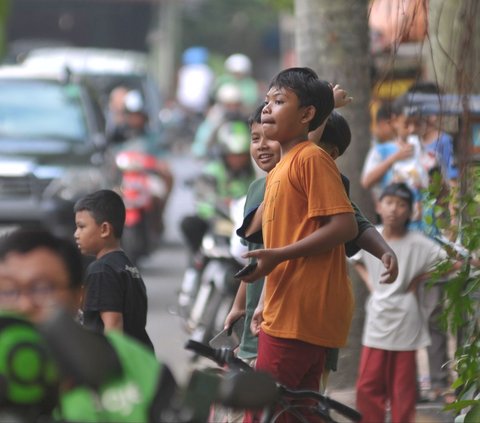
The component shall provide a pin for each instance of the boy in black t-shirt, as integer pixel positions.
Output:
(115, 296)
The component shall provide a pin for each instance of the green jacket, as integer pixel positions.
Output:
(128, 398)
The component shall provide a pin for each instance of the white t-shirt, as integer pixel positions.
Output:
(408, 170)
(194, 84)
(237, 249)
(395, 319)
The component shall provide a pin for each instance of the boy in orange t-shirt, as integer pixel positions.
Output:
(306, 218)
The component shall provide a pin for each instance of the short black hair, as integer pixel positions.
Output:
(384, 112)
(310, 90)
(337, 132)
(25, 240)
(425, 87)
(400, 104)
(256, 116)
(105, 206)
(401, 190)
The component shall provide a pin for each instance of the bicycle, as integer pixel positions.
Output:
(283, 401)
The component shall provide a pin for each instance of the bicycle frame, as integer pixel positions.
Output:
(225, 357)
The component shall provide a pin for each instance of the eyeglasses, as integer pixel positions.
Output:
(39, 293)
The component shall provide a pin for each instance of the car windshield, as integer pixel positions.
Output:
(41, 109)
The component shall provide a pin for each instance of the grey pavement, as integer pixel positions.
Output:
(425, 412)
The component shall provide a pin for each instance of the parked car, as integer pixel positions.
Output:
(53, 148)
(106, 69)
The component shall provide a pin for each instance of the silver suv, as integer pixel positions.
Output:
(52, 148)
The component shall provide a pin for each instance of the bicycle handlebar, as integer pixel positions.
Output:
(221, 356)
(225, 356)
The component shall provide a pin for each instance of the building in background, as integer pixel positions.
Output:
(85, 23)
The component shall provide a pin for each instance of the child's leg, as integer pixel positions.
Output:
(371, 385)
(293, 363)
(403, 386)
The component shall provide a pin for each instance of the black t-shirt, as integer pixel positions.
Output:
(113, 283)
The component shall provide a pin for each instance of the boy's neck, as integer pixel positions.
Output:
(289, 145)
(393, 232)
(430, 136)
(109, 247)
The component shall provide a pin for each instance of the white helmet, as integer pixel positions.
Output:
(229, 94)
(133, 102)
(238, 63)
(234, 138)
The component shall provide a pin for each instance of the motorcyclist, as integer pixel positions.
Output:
(228, 106)
(84, 375)
(238, 72)
(145, 150)
(221, 181)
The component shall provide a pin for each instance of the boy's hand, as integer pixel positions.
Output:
(233, 316)
(390, 262)
(405, 151)
(340, 97)
(267, 260)
(257, 320)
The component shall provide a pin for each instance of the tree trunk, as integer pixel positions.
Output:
(332, 38)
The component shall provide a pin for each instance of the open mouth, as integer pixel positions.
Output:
(265, 157)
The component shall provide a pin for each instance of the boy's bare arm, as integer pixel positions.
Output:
(112, 320)
(371, 241)
(337, 229)
(238, 307)
(256, 223)
(362, 271)
(341, 99)
(377, 172)
(257, 317)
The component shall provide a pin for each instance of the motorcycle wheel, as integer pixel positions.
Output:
(218, 304)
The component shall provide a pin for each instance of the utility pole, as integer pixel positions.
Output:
(163, 44)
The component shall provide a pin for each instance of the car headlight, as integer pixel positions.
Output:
(75, 183)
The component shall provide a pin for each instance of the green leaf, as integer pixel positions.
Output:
(473, 416)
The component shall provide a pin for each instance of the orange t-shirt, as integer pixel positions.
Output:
(309, 298)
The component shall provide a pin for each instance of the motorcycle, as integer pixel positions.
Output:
(145, 192)
(208, 288)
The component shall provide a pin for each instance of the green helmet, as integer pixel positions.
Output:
(234, 138)
(28, 377)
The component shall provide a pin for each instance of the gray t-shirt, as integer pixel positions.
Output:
(395, 319)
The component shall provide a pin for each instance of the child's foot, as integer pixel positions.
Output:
(438, 395)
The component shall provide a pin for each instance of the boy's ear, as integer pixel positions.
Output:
(308, 113)
(334, 153)
(105, 229)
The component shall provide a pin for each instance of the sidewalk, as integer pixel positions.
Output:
(426, 412)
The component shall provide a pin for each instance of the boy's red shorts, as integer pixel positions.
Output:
(293, 363)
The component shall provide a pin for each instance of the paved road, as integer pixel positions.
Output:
(163, 273)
